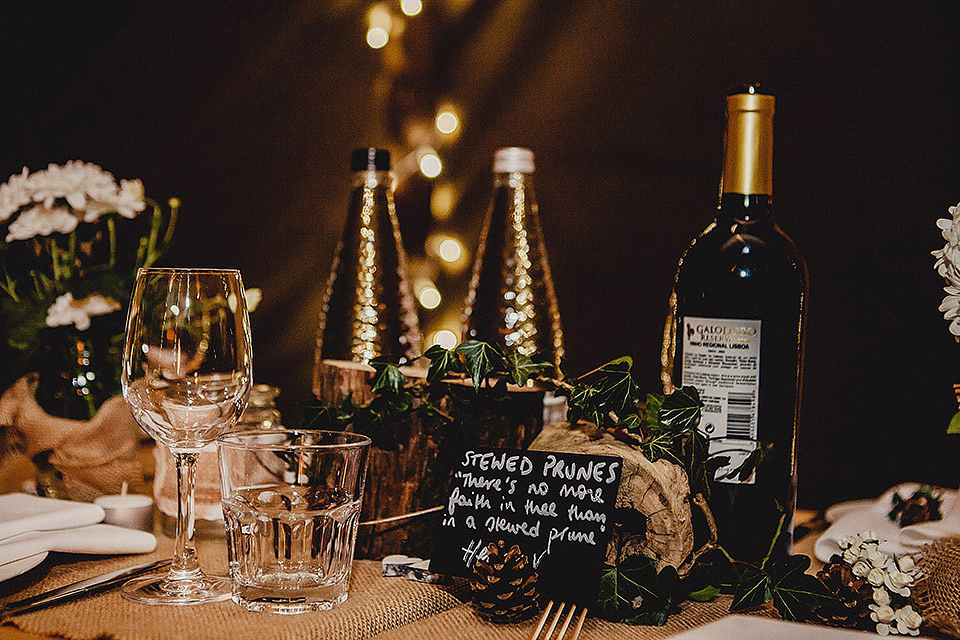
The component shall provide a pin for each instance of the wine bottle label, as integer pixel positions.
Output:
(721, 358)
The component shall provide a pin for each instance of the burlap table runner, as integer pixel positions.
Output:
(389, 608)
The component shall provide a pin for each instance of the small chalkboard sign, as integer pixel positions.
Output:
(557, 507)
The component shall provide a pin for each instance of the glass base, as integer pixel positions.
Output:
(287, 604)
(170, 588)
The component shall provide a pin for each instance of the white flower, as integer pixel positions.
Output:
(898, 582)
(65, 310)
(950, 307)
(878, 559)
(851, 555)
(948, 266)
(907, 565)
(14, 193)
(40, 220)
(128, 200)
(88, 190)
(847, 541)
(881, 596)
(884, 616)
(908, 621)
(637, 602)
(869, 537)
(875, 577)
(861, 568)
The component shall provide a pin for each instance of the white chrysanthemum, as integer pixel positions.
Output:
(14, 193)
(948, 258)
(76, 182)
(950, 307)
(65, 310)
(40, 220)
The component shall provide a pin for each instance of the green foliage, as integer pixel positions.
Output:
(954, 426)
(634, 592)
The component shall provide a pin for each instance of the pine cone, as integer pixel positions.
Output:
(915, 510)
(855, 595)
(505, 585)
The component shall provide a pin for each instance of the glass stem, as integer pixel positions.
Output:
(185, 555)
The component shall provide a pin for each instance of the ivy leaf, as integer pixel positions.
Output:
(635, 593)
(632, 422)
(796, 594)
(706, 594)
(624, 585)
(652, 414)
(583, 404)
(480, 359)
(681, 409)
(660, 445)
(442, 362)
(697, 462)
(753, 589)
(521, 368)
(954, 426)
(616, 390)
(386, 376)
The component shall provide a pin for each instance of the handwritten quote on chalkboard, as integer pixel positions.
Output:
(557, 507)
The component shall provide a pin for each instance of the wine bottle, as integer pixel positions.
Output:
(368, 308)
(511, 300)
(736, 333)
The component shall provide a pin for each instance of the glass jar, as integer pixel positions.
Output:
(261, 411)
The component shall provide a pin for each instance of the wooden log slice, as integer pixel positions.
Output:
(659, 491)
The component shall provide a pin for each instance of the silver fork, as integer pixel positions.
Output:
(556, 620)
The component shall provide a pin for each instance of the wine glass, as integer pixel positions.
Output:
(186, 374)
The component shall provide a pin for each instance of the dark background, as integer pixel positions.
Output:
(248, 111)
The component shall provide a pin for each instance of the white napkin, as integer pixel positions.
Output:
(96, 538)
(756, 628)
(20, 513)
(31, 527)
(873, 516)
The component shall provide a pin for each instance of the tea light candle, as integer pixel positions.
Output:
(132, 510)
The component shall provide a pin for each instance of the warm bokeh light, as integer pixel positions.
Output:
(377, 37)
(450, 250)
(430, 164)
(442, 200)
(447, 121)
(411, 7)
(445, 338)
(379, 25)
(429, 297)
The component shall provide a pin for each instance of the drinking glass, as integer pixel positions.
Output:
(291, 501)
(186, 374)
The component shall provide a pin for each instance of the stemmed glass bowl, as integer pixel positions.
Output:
(186, 374)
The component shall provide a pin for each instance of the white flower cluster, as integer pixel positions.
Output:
(948, 266)
(65, 310)
(58, 198)
(890, 578)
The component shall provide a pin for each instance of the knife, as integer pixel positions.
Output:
(79, 589)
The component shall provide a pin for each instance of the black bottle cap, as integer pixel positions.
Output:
(370, 159)
(750, 88)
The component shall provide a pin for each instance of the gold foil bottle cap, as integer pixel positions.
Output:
(748, 143)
